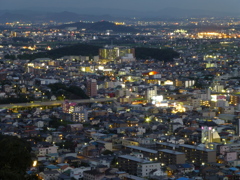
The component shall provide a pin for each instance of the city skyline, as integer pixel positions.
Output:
(123, 90)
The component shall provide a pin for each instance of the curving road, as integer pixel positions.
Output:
(53, 103)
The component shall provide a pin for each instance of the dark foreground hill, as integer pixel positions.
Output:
(153, 53)
(91, 50)
(79, 49)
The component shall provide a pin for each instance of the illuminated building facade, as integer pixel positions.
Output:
(234, 99)
(68, 107)
(151, 92)
(79, 114)
(115, 53)
(194, 154)
(209, 135)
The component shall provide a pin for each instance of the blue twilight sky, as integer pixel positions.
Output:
(137, 5)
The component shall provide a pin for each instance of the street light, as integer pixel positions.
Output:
(34, 163)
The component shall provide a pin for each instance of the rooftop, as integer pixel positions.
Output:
(197, 148)
(133, 158)
(142, 149)
(171, 151)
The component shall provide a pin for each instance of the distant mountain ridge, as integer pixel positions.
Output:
(65, 16)
(177, 12)
(97, 14)
(165, 12)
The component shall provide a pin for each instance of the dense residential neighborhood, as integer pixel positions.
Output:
(115, 115)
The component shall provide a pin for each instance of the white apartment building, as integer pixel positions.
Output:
(144, 169)
(42, 151)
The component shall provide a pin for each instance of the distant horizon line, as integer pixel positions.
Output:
(62, 9)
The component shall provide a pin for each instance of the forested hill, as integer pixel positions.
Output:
(79, 49)
(153, 53)
(99, 27)
(91, 50)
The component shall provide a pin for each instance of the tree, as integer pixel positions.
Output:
(78, 49)
(8, 56)
(60, 89)
(15, 157)
(114, 163)
(106, 152)
(166, 55)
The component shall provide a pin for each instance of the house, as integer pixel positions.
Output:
(49, 175)
(99, 173)
(74, 127)
(93, 175)
(64, 177)
(104, 145)
(157, 173)
(185, 168)
(77, 173)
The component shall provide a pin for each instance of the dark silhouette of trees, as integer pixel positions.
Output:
(59, 89)
(100, 27)
(22, 39)
(79, 49)
(153, 53)
(107, 152)
(15, 157)
(20, 99)
(91, 50)
(8, 56)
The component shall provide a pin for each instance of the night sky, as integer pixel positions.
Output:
(137, 5)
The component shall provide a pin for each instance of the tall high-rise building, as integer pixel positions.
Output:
(115, 53)
(92, 87)
(238, 127)
(209, 135)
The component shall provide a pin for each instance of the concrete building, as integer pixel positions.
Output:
(49, 175)
(42, 151)
(151, 154)
(144, 169)
(151, 92)
(166, 145)
(92, 175)
(209, 135)
(167, 157)
(194, 154)
(230, 156)
(129, 142)
(116, 54)
(136, 166)
(198, 155)
(223, 149)
(92, 87)
(105, 145)
(80, 116)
